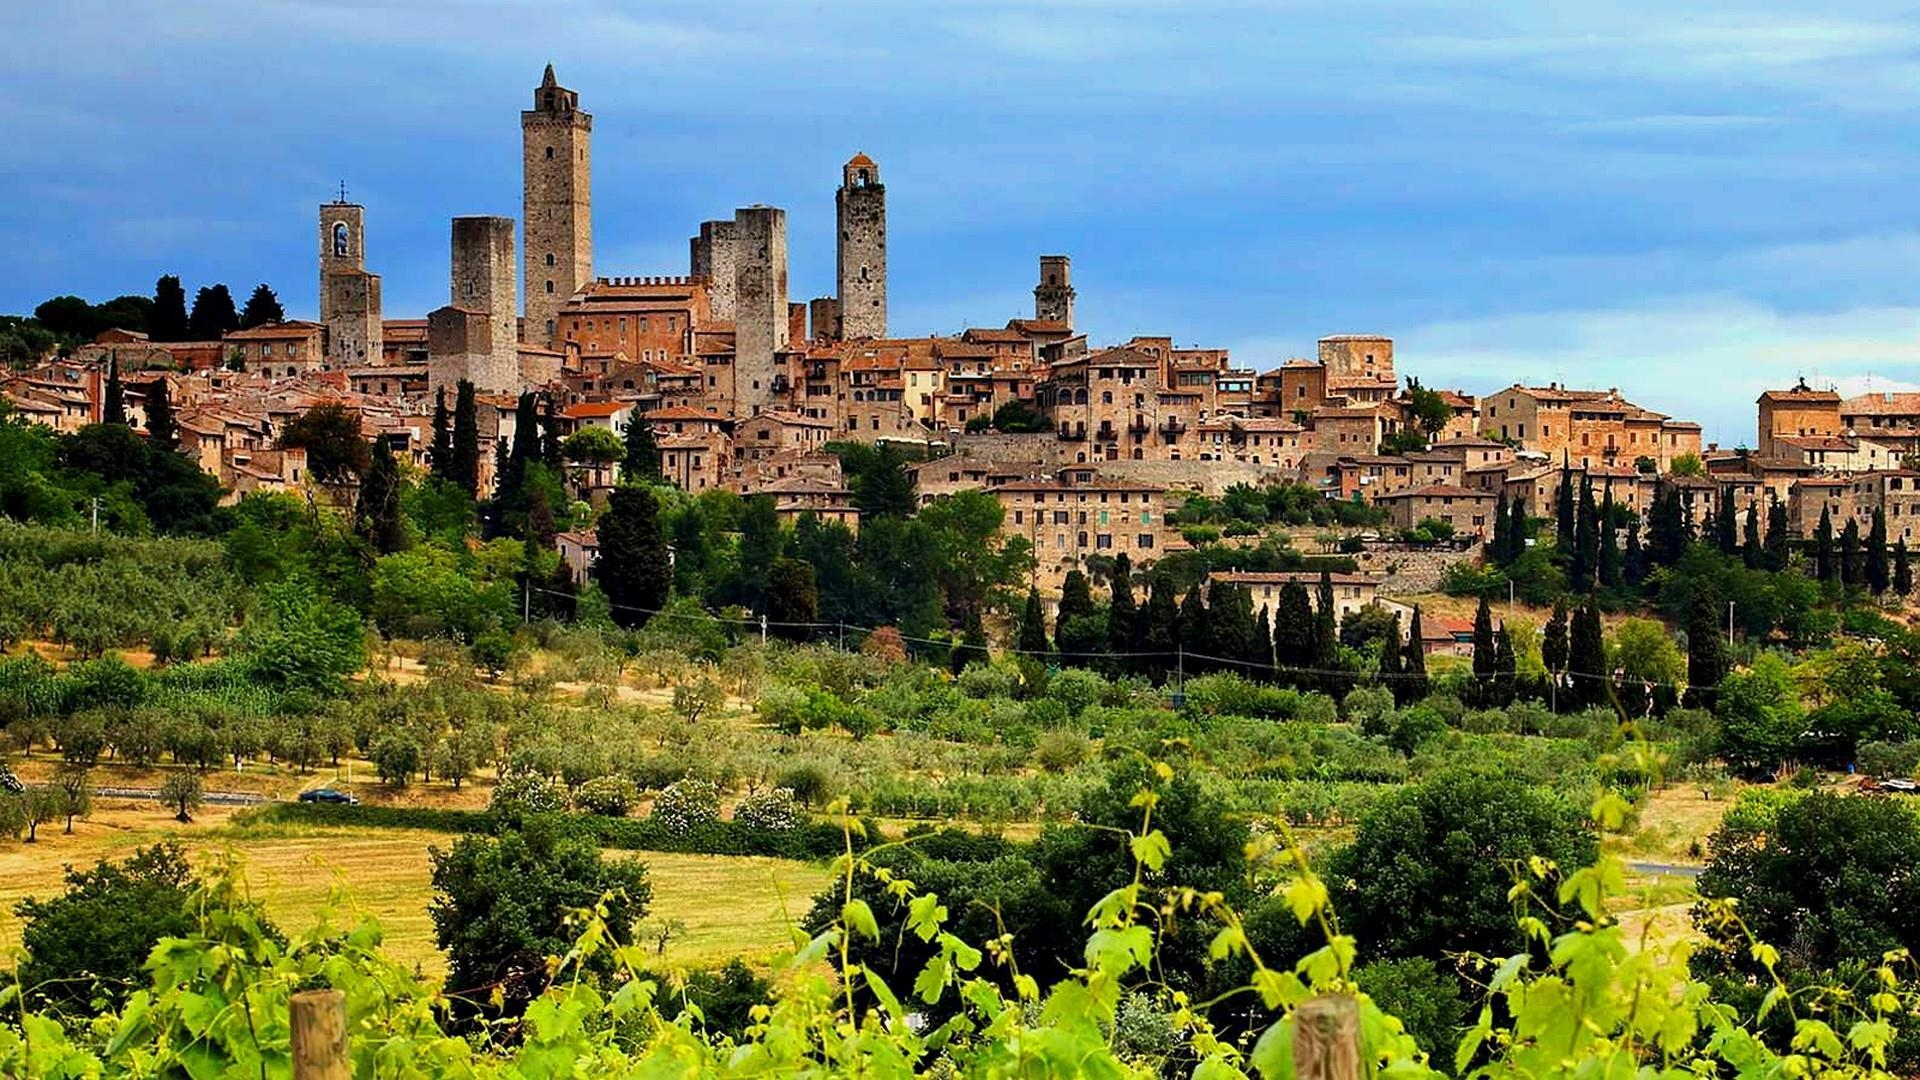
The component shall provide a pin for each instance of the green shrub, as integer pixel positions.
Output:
(611, 796)
(686, 805)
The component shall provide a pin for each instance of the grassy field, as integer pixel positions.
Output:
(729, 906)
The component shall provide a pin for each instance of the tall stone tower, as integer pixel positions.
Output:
(1053, 297)
(713, 261)
(475, 337)
(556, 141)
(760, 321)
(861, 208)
(349, 295)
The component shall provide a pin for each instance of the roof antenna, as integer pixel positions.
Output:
(343, 192)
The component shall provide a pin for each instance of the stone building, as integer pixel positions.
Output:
(1358, 356)
(860, 208)
(712, 261)
(760, 323)
(476, 337)
(280, 350)
(1800, 412)
(1888, 417)
(1081, 514)
(349, 295)
(647, 319)
(1053, 297)
(1468, 510)
(1588, 427)
(1351, 592)
(557, 208)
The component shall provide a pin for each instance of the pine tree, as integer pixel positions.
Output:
(1610, 572)
(440, 455)
(1123, 616)
(1483, 655)
(213, 316)
(113, 408)
(1726, 523)
(169, 319)
(1160, 627)
(1902, 568)
(1776, 541)
(1750, 551)
(378, 509)
(1878, 573)
(1033, 628)
(1553, 640)
(642, 463)
(1825, 566)
(633, 569)
(1413, 665)
(1850, 568)
(1293, 635)
(464, 468)
(1706, 653)
(263, 307)
(162, 433)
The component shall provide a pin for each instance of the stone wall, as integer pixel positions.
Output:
(1410, 572)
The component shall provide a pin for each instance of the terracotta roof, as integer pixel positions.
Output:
(860, 159)
(276, 331)
(1281, 577)
(682, 412)
(1801, 395)
(1437, 491)
(1901, 403)
(589, 409)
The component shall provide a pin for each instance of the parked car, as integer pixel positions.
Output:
(328, 795)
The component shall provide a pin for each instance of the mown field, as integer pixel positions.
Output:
(729, 906)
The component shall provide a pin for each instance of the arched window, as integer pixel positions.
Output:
(1106, 397)
(549, 258)
(549, 153)
(549, 286)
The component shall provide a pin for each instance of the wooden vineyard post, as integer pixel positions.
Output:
(319, 1028)
(1326, 1039)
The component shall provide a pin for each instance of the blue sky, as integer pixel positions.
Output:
(1688, 201)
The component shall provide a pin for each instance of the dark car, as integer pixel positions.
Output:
(328, 795)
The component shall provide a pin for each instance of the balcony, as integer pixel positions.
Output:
(1068, 434)
(1106, 433)
(1139, 425)
(1173, 427)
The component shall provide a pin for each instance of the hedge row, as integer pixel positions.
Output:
(812, 840)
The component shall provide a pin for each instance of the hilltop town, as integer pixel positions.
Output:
(744, 387)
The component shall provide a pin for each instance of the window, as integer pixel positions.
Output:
(1146, 540)
(549, 258)
(549, 153)
(549, 286)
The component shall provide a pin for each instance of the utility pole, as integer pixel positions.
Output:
(95, 528)
(1729, 624)
(526, 601)
(763, 629)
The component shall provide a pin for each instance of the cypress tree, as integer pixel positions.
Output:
(1196, 636)
(1230, 626)
(1505, 668)
(1033, 628)
(1610, 571)
(1727, 523)
(973, 644)
(1563, 506)
(1902, 569)
(1878, 573)
(1850, 568)
(1587, 673)
(1706, 653)
(113, 405)
(440, 455)
(1389, 670)
(1751, 552)
(1516, 530)
(1500, 549)
(793, 599)
(162, 433)
(1077, 631)
(549, 449)
(1825, 567)
(1123, 615)
(1634, 567)
(168, 322)
(1263, 643)
(263, 307)
(213, 316)
(1483, 655)
(642, 462)
(464, 468)
(542, 530)
(1293, 634)
(633, 569)
(1160, 622)
(378, 508)
(1326, 641)
(1413, 665)
(511, 461)
(1776, 542)
(1553, 640)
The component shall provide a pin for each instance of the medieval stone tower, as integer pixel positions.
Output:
(475, 337)
(713, 262)
(349, 296)
(760, 318)
(557, 165)
(861, 209)
(1053, 297)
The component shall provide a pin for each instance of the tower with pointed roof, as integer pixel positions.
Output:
(557, 213)
(861, 205)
